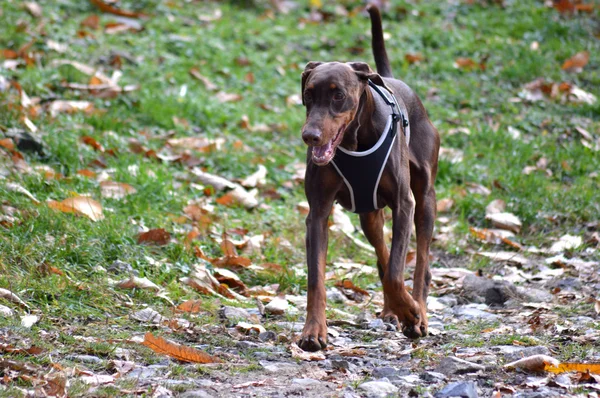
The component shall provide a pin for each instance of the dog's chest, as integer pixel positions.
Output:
(344, 198)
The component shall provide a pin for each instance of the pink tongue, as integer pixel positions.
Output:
(319, 151)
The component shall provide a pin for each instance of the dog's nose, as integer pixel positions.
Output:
(311, 137)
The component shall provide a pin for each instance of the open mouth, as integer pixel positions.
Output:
(322, 155)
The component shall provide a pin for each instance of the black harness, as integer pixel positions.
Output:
(362, 171)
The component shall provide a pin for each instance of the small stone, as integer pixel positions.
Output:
(234, 314)
(377, 324)
(513, 353)
(453, 366)
(389, 372)
(474, 311)
(196, 394)
(335, 296)
(276, 367)
(377, 389)
(491, 292)
(407, 381)
(145, 372)
(432, 377)
(342, 364)
(306, 382)
(534, 295)
(449, 300)
(267, 336)
(462, 389)
(277, 306)
(246, 344)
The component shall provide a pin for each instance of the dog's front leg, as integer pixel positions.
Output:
(399, 304)
(314, 334)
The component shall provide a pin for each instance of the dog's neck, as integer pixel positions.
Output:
(363, 132)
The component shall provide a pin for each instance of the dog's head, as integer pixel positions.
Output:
(331, 93)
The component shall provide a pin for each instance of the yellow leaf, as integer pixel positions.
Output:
(81, 205)
(316, 3)
(177, 351)
(574, 367)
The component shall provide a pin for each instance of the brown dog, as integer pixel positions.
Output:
(350, 114)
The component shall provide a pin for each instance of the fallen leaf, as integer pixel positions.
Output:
(116, 190)
(444, 205)
(157, 236)
(191, 306)
(96, 380)
(13, 298)
(258, 178)
(347, 284)
(254, 383)
(231, 279)
(573, 367)
(92, 22)
(299, 353)
(136, 282)
(465, 63)
(597, 306)
(195, 72)
(240, 196)
(566, 242)
(7, 143)
(451, 155)
(200, 144)
(27, 321)
(576, 62)
(149, 315)
(504, 256)
(249, 328)
(505, 221)
(63, 106)
(413, 58)
(104, 7)
(33, 8)
(227, 97)
(80, 205)
(11, 186)
(495, 206)
(177, 351)
(478, 189)
(535, 363)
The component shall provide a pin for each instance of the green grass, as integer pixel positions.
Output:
(275, 50)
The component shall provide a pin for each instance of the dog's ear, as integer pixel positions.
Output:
(364, 72)
(307, 70)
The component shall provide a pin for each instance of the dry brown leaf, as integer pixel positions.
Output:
(465, 63)
(227, 97)
(63, 106)
(239, 196)
(347, 284)
(86, 173)
(107, 8)
(576, 62)
(505, 221)
(81, 205)
(413, 58)
(7, 143)
(157, 236)
(495, 206)
(177, 351)
(116, 190)
(195, 72)
(444, 205)
(86, 139)
(92, 22)
(231, 279)
(299, 353)
(13, 298)
(258, 178)
(135, 282)
(192, 306)
(535, 363)
(248, 328)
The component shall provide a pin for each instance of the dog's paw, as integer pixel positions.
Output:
(314, 336)
(400, 307)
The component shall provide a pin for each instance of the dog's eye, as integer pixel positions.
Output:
(338, 96)
(307, 96)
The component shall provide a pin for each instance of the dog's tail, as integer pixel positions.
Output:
(381, 59)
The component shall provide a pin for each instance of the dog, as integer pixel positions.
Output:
(370, 145)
